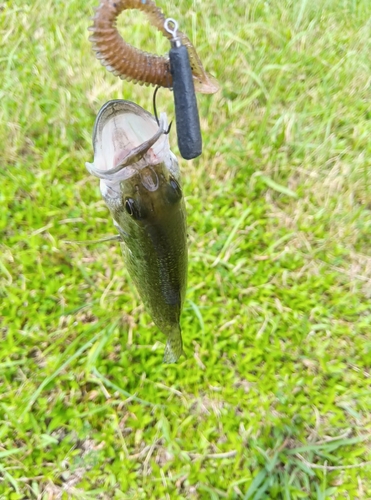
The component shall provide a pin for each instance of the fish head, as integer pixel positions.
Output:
(139, 175)
(148, 196)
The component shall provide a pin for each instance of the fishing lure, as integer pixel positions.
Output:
(140, 183)
(129, 63)
(186, 111)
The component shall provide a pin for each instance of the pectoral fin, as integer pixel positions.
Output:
(117, 237)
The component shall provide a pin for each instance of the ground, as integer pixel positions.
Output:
(273, 400)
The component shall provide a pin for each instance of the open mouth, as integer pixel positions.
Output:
(126, 138)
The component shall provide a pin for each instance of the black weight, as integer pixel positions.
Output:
(186, 112)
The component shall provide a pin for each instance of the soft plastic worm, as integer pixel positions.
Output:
(130, 63)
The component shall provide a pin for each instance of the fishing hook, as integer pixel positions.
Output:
(155, 111)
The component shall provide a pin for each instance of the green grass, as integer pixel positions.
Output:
(274, 399)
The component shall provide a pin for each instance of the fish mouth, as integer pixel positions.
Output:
(126, 139)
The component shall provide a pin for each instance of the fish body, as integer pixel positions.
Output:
(140, 183)
(155, 248)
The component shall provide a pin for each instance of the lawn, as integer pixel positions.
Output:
(274, 398)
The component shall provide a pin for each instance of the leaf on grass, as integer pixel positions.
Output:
(198, 313)
(330, 446)
(107, 382)
(232, 234)
(278, 187)
(9, 478)
(254, 486)
(13, 451)
(64, 365)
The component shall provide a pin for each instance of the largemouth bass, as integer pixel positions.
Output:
(140, 183)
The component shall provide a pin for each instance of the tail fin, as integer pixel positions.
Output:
(174, 348)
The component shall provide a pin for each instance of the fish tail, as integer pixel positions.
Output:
(174, 348)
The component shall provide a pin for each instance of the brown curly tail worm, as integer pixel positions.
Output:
(130, 63)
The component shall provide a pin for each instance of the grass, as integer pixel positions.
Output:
(273, 401)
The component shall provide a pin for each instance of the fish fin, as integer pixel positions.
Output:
(117, 237)
(173, 349)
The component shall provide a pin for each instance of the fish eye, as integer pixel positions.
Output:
(174, 191)
(175, 185)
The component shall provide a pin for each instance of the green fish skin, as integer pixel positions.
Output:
(155, 248)
(141, 187)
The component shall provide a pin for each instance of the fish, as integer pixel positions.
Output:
(140, 184)
(132, 64)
